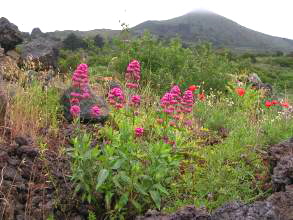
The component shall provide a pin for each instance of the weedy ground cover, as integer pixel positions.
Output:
(167, 152)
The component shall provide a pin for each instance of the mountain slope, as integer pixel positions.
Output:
(202, 26)
(91, 33)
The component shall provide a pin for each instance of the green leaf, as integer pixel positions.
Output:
(136, 205)
(161, 188)
(122, 201)
(140, 188)
(115, 180)
(117, 164)
(108, 199)
(156, 198)
(103, 174)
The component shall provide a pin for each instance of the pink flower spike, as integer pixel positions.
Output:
(95, 111)
(138, 132)
(75, 110)
(135, 99)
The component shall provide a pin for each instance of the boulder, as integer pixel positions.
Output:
(10, 36)
(283, 204)
(237, 210)
(40, 53)
(85, 107)
(281, 162)
(37, 33)
(186, 212)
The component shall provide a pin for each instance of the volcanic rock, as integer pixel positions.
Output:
(10, 36)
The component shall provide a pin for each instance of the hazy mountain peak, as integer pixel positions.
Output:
(203, 25)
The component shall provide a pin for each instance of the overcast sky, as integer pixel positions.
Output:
(274, 17)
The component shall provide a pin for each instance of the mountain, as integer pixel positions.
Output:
(201, 26)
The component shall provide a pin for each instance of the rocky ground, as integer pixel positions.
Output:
(36, 185)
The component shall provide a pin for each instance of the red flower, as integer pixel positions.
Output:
(201, 96)
(275, 102)
(285, 104)
(240, 91)
(268, 104)
(192, 88)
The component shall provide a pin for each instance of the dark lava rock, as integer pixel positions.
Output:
(281, 162)
(11, 173)
(42, 52)
(283, 174)
(283, 204)
(21, 141)
(3, 156)
(28, 150)
(185, 213)
(278, 151)
(237, 210)
(37, 33)
(85, 107)
(10, 36)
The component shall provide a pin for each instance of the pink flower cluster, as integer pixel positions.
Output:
(138, 132)
(116, 97)
(187, 101)
(173, 104)
(80, 81)
(132, 74)
(135, 100)
(95, 111)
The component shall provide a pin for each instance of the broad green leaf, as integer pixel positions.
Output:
(103, 174)
(161, 188)
(136, 205)
(122, 201)
(156, 198)
(115, 180)
(140, 188)
(117, 164)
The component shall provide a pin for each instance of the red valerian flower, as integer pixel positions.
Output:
(138, 132)
(268, 104)
(285, 104)
(75, 110)
(192, 88)
(275, 102)
(240, 91)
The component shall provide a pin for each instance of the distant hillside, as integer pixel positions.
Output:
(197, 27)
(202, 26)
(91, 33)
